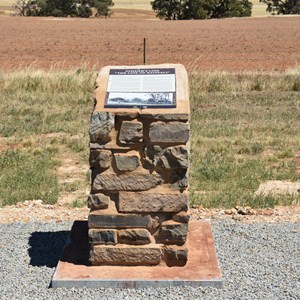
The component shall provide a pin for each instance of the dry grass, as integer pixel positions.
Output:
(245, 130)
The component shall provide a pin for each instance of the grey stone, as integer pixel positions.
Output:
(179, 180)
(166, 117)
(134, 237)
(172, 233)
(151, 152)
(100, 158)
(127, 256)
(127, 115)
(133, 181)
(103, 236)
(173, 132)
(174, 157)
(182, 217)
(98, 201)
(127, 162)
(105, 159)
(152, 202)
(100, 126)
(131, 132)
(119, 221)
(168, 158)
(175, 257)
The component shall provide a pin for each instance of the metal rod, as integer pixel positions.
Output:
(144, 51)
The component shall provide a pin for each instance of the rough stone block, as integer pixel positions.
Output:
(128, 161)
(166, 117)
(168, 158)
(173, 132)
(127, 256)
(99, 220)
(134, 237)
(175, 256)
(100, 126)
(179, 180)
(105, 159)
(152, 201)
(131, 132)
(133, 181)
(182, 217)
(98, 201)
(100, 236)
(172, 233)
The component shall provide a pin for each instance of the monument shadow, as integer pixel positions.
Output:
(47, 248)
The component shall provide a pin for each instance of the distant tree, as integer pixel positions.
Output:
(285, 7)
(169, 9)
(23, 7)
(102, 7)
(232, 8)
(64, 8)
(201, 9)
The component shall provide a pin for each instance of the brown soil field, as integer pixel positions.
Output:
(269, 43)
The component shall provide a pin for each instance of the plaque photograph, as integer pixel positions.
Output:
(141, 88)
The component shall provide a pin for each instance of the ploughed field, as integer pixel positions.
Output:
(269, 43)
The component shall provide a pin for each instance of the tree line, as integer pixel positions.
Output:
(64, 8)
(165, 9)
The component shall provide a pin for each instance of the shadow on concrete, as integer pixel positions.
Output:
(47, 248)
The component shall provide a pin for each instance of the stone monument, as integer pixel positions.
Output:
(139, 232)
(139, 160)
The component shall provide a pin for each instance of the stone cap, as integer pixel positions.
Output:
(182, 92)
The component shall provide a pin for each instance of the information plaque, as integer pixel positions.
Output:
(141, 88)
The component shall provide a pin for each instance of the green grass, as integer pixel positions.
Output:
(36, 106)
(245, 130)
(27, 175)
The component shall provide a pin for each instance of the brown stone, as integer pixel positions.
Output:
(173, 132)
(100, 126)
(133, 181)
(172, 233)
(175, 256)
(103, 236)
(131, 132)
(127, 256)
(127, 161)
(182, 217)
(98, 201)
(134, 237)
(152, 201)
(101, 220)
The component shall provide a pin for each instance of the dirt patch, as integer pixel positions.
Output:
(269, 43)
(72, 175)
(30, 211)
(278, 188)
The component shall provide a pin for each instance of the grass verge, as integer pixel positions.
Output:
(27, 175)
(245, 130)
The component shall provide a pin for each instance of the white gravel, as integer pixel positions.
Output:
(258, 261)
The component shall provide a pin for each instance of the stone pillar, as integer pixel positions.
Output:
(139, 160)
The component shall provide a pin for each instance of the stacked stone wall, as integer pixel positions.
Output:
(139, 199)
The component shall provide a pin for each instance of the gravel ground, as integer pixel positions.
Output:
(258, 261)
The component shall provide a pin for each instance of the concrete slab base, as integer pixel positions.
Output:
(202, 269)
